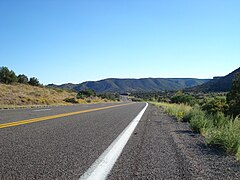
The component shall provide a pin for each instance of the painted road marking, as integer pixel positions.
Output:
(21, 122)
(103, 165)
(38, 110)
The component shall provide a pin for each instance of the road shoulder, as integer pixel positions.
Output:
(162, 148)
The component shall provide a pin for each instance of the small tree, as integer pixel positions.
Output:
(34, 81)
(7, 76)
(22, 79)
(86, 93)
(180, 97)
(233, 97)
(110, 96)
(215, 105)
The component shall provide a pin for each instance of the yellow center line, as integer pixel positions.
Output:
(21, 122)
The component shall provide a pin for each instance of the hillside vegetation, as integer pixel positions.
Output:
(21, 91)
(133, 85)
(22, 95)
(215, 116)
(219, 130)
(26, 95)
(218, 84)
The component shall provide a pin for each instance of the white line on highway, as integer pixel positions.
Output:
(42, 110)
(103, 165)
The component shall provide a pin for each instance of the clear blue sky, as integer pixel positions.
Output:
(61, 41)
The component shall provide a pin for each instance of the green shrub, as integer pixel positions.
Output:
(215, 105)
(110, 96)
(137, 100)
(198, 120)
(226, 136)
(233, 97)
(22, 79)
(86, 93)
(7, 76)
(181, 98)
(191, 112)
(34, 81)
(219, 120)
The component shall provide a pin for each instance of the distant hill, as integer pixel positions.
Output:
(129, 85)
(217, 84)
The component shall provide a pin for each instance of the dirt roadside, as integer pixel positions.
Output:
(162, 148)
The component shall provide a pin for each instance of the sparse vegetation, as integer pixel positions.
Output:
(24, 95)
(215, 116)
(19, 95)
(218, 129)
(15, 91)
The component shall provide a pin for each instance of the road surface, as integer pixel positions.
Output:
(65, 142)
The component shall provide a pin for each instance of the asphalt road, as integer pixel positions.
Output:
(61, 148)
(66, 147)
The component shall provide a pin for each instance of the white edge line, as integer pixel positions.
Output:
(103, 165)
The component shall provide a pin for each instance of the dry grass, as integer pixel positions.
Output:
(218, 129)
(177, 110)
(26, 95)
(21, 95)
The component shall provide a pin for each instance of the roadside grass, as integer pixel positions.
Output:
(219, 130)
(180, 111)
(26, 96)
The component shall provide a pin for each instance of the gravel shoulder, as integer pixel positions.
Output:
(162, 148)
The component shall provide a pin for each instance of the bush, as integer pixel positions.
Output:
(215, 105)
(34, 82)
(88, 101)
(181, 98)
(110, 96)
(7, 76)
(226, 136)
(71, 100)
(198, 120)
(22, 79)
(190, 113)
(86, 93)
(137, 100)
(233, 97)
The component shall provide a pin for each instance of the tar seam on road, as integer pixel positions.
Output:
(21, 122)
(103, 165)
(38, 110)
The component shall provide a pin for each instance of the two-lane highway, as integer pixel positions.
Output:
(106, 141)
(59, 142)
